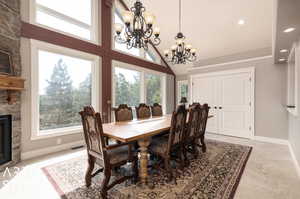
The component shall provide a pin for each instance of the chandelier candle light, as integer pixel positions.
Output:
(138, 28)
(180, 52)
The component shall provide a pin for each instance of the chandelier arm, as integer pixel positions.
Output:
(156, 41)
(192, 58)
(128, 32)
(119, 39)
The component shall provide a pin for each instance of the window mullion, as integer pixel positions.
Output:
(143, 88)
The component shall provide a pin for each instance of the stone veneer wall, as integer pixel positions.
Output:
(10, 31)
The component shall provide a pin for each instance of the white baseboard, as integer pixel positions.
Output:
(271, 140)
(48, 150)
(297, 166)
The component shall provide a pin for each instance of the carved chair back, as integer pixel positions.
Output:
(123, 113)
(193, 121)
(204, 110)
(156, 110)
(178, 124)
(143, 111)
(93, 134)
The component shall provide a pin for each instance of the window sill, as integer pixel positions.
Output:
(46, 134)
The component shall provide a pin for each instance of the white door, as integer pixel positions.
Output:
(205, 91)
(235, 105)
(230, 96)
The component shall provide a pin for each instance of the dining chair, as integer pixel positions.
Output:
(192, 127)
(196, 134)
(204, 111)
(143, 111)
(164, 146)
(107, 157)
(156, 110)
(123, 113)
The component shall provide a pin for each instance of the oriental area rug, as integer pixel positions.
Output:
(213, 175)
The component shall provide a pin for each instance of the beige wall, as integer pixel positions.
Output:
(271, 117)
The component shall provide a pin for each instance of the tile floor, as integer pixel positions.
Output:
(269, 174)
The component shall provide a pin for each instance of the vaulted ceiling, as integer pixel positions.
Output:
(211, 26)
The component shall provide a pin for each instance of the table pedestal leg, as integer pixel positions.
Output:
(143, 170)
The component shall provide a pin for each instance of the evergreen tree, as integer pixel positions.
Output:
(56, 110)
(122, 90)
(153, 83)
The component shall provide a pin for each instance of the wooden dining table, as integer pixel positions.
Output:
(141, 131)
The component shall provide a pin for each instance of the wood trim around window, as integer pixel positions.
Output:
(42, 34)
(104, 50)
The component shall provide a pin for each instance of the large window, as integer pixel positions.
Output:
(63, 83)
(133, 85)
(76, 17)
(127, 86)
(153, 89)
(182, 90)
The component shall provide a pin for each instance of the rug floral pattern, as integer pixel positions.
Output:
(213, 175)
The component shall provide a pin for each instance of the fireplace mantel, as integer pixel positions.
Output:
(10, 84)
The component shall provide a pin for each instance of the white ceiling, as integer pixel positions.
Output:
(211, 25)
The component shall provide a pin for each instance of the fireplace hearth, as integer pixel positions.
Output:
(5, 139)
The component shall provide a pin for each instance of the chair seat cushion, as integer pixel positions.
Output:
(159, 144)
(118, 154)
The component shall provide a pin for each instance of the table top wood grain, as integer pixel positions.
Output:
(137, 129)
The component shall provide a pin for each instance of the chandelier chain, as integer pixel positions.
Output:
(180, 18)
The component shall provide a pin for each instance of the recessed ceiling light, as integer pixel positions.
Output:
(282, 60)
(241, 22)
(283, 50)
(289, 30)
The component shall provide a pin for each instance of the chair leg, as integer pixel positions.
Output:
(195, 150)
(135, 170)
(168, 168)
(107, 175)
(88, 175)
(182, 157)
(186, 160)
(203, 144)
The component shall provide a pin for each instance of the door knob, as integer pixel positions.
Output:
(220, 107)
(216, 107)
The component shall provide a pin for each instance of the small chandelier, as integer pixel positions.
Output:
(138, 28)
(180, 52)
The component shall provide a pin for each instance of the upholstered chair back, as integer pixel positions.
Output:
(178, 124)
(193, 121)
(143, 111)
(156, 110)
(123, 113)
(204, 110)
(93, 134)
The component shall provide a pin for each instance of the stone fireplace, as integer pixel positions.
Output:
(5, 139)
(10, 34)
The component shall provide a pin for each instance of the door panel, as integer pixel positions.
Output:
(205, 91)
(229, 97)
(235, 101)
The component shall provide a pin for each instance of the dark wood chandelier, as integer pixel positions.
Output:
(138, 28)
(180, 52)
